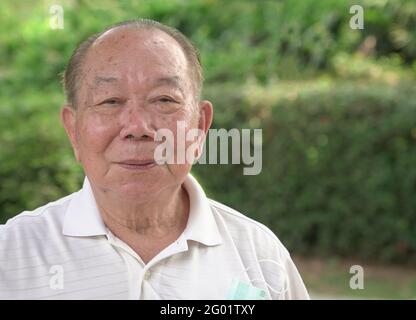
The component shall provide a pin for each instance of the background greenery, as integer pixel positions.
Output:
(337, 107)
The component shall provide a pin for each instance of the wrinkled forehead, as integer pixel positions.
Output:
(134, 55)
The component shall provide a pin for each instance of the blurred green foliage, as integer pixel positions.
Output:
(338, 166)
(337, 108)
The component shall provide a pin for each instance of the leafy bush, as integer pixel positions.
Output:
(338, 166)
(37, 164)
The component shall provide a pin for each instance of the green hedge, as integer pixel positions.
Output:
(339, 173)
(36, 162)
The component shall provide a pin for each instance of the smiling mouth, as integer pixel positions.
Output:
(137, 164)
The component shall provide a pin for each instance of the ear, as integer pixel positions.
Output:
(205, 120)
(205, 116)
(68, 115)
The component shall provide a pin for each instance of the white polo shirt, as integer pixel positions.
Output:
(63, 250)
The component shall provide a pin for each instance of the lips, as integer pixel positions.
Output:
(134, 164)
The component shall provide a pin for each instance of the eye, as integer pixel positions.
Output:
(111, 101)
(166, 100)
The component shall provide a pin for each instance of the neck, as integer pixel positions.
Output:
(148, 226)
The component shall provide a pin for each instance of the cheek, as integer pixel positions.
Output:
(95, 134)
(179, 124)
(175, 121)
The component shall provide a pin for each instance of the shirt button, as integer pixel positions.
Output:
(146, 275)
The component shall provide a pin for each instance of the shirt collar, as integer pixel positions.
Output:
(201, 225)
(82, 216)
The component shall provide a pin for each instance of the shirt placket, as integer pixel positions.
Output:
(138, 270)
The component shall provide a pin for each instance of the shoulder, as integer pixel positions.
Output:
(257, 243)
(247, 230)
(36, 224)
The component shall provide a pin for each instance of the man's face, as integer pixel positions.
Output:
(134, 82)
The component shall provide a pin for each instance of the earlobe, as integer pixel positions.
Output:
(68, 122)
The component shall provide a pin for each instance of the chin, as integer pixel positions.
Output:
(139, 189)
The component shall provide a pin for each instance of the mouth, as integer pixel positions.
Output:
(137, 164)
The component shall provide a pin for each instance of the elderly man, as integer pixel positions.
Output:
(138, 228)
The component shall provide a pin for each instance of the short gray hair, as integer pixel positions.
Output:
(71, 77)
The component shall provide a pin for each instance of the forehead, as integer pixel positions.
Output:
(135, 54)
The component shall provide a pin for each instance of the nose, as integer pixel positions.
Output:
(136, 124)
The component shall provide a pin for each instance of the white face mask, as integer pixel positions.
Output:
(241, 290)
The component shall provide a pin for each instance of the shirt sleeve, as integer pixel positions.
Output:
(282, 276)
(296, 289)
